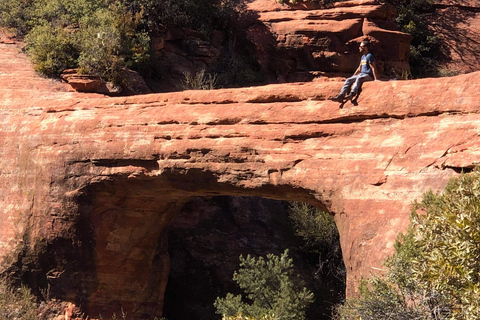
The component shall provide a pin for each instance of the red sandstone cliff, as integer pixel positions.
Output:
(89, 184)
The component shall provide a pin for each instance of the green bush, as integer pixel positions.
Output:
(60, 13)
(317, 228)
(104, 36)
(51, 49)
(100, 45)
(237, 71)
(200, 15)
(426, 49)
(447, 232)
(96, 36)
(271, 288)
(435, 270)
(14, 14)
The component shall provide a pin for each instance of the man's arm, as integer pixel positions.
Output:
(358, 69)
(373, 65)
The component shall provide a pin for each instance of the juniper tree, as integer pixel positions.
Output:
(272, 291)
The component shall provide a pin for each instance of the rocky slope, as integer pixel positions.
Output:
(89, 185)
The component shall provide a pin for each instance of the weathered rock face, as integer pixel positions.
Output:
(295, 40)
(291, 43)
(179, 52)
(89, 185)
(300, 42)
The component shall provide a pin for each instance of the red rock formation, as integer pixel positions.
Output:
(291, 43)
(89, 184)
(300, 42)
(307, 37)
(132, 83)
(457, 23)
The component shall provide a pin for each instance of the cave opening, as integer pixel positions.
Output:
(207, 237)
(168, 246)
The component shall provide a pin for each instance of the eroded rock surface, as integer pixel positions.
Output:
(294, 40)
(89, 184)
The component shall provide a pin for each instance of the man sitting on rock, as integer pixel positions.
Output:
(366, 71)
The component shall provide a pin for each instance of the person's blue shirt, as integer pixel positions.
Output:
(365, 62)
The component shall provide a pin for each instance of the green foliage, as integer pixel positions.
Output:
(447, 230)
(435, 270)
(13, 14)
(237, 71)
(317, 228)
(201, 15)
(99, 37)
(60, 13)
(426, 50)
(381, 300)
(100, 46)
(51, 49)
(271, 287)
(16, 304)
(320, 234)
(104, 36)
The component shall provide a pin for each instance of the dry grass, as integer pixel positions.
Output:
(16, 303)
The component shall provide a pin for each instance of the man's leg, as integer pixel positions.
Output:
(361, 78)
(348, 84)
(345, 89)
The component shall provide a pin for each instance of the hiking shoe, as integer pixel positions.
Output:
(337, 98)
(350, 95)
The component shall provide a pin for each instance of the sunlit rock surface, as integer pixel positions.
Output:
(89, 184)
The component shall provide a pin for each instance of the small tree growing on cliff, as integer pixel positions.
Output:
(272, 288)
(435, 270)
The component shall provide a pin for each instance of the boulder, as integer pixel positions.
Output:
(132, 83)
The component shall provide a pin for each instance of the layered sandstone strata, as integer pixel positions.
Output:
(89, 184)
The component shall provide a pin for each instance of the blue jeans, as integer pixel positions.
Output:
(355, 82)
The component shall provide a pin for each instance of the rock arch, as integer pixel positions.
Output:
(124, 223)
(74, 165)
